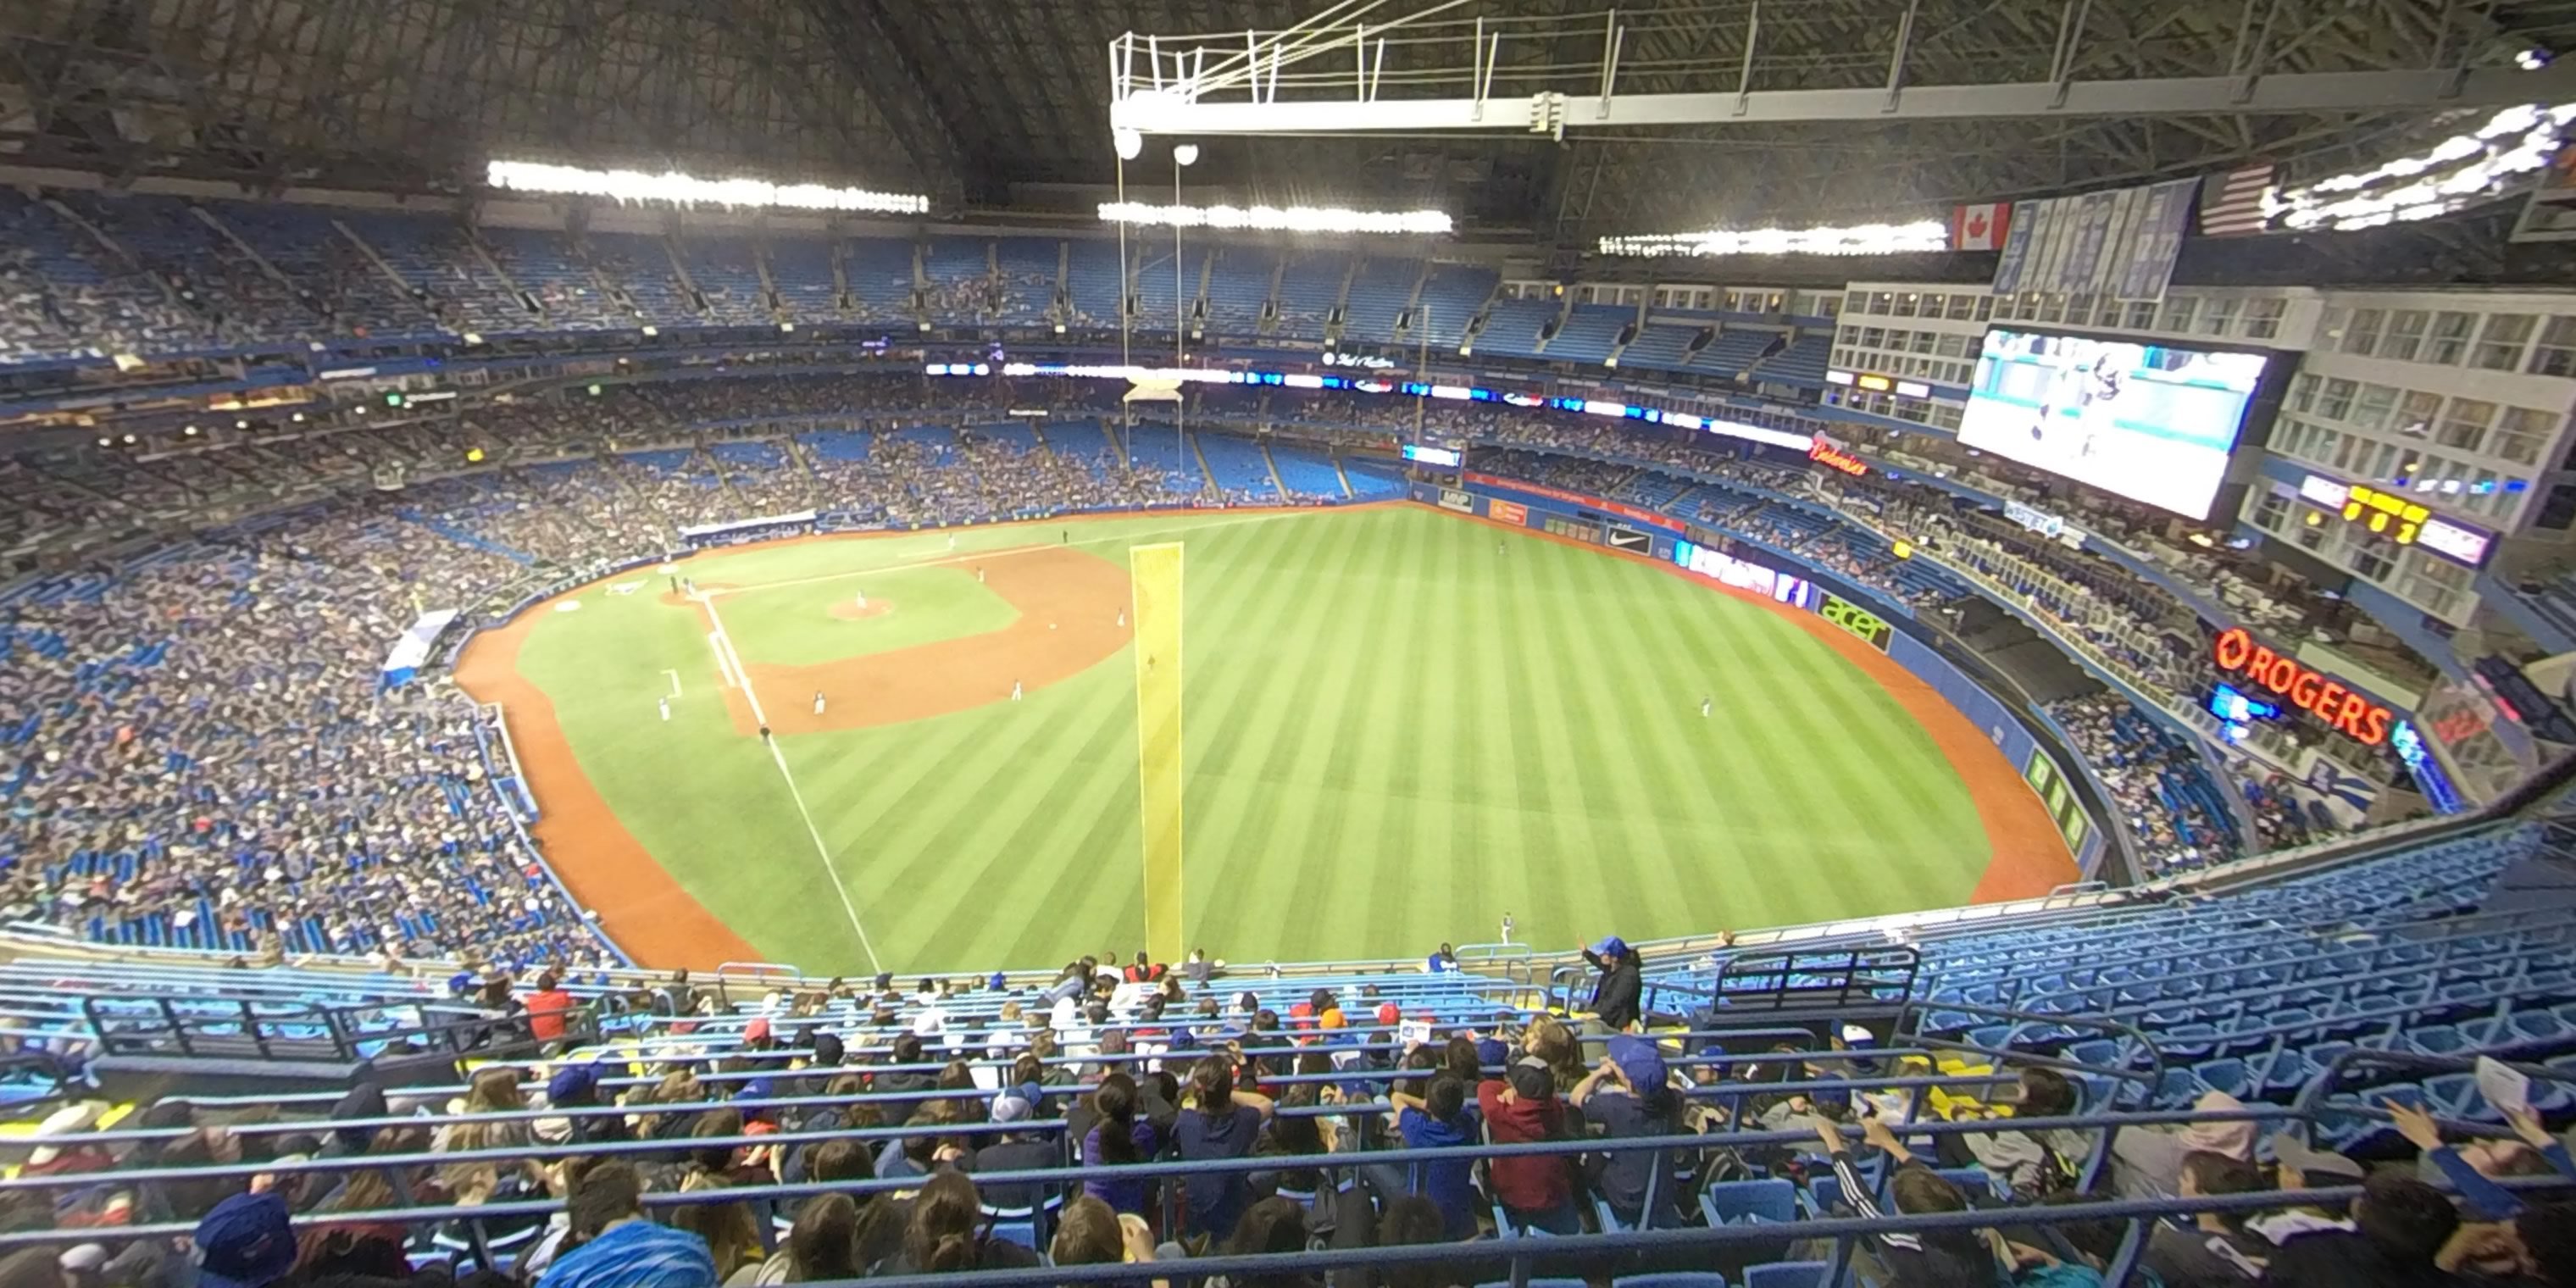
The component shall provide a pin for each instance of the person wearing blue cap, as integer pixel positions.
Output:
(1615, 998)
(576, 1086)
(1629, 1096)
(245, 1242)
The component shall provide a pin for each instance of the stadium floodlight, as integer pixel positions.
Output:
(1131, 145)
(687, 190)
(1185, 154)
(1290, 219)
(2464, 170)
(1857, 239)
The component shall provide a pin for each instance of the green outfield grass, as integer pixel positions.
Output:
(1395, 734)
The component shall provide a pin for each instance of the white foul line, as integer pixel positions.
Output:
(821, 850)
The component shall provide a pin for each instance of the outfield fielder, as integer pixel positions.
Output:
(1015, 690)
(665, 704)
(818, 702)
(1703, 704)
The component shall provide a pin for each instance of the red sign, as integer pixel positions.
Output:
(1502, 511)
(2323, 696)
(1824, 453)
(1649, 517)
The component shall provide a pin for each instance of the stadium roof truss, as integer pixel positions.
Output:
(1561, 117)
(1755, 110)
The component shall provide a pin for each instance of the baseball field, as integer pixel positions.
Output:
(1392, 726)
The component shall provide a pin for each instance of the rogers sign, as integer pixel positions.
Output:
(2237, 652)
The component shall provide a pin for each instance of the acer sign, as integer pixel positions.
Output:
(2347, 712)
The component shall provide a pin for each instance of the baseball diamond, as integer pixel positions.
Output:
(1384, 712)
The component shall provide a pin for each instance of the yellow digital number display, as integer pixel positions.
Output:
(2391, 516)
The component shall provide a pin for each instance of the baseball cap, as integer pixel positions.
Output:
(1008, 1108)
(245, 1242)
(1492, 1051)
(1389, 1014)
(69, 1118)
(2295, 1153)
(572, 1082)
(1639, 1062)
(1610, 946)
(828, 1050)
(1531, 1078)
(757, 1030)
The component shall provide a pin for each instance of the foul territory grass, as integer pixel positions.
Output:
(1396, 733)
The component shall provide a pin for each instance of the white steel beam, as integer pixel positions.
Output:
(2289, 92)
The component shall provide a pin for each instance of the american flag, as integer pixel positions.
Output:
(2231, 204)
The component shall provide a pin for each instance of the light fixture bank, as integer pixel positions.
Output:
(676, 188)
(1291, 219)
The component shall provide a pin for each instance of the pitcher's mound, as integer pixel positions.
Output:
(849, 611)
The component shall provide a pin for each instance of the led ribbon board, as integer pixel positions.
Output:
(2336, 703)
(2392, 515)
(1457, 393)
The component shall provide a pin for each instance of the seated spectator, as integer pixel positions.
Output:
(1934, 1258)
(2215, 1251)
(1091, 1235)
(1439, 1120)
(612, 1245)
(947, 1233)
(2298, 1167)
(1015, 1151)
(2032, 1165)
(1118, 1137)
(1216, 1121)
(2399, 1225)
(245, 1242)
(823, 1244)
(1629, 1096)
(1522, 1108)
(2146, 1162)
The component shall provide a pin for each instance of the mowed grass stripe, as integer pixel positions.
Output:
(1670, 769)
(1877, 763)
(1405, 762)
(1245, 693)
(1598, 652)
(1395, 735)
(1251, 878)
(963, 874)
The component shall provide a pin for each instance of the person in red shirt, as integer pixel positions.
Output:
(547, 1008)
(1534, 1190)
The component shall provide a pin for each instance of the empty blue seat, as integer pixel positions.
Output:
(1735, 1201)
(1786, 1274)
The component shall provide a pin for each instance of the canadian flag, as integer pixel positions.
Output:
(1980, 227)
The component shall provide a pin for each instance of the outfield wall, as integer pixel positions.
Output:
(2026, 737)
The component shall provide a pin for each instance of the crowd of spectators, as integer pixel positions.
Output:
(205, 756)
(505, 496)
(2161, 788)
(1116, 1065)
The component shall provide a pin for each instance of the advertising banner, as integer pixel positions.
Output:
(1453, 499)
(1648, 517)
(1865, 625)
(2049, 781)
(1507, 511)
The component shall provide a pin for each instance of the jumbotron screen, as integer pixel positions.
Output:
(2151, 422)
